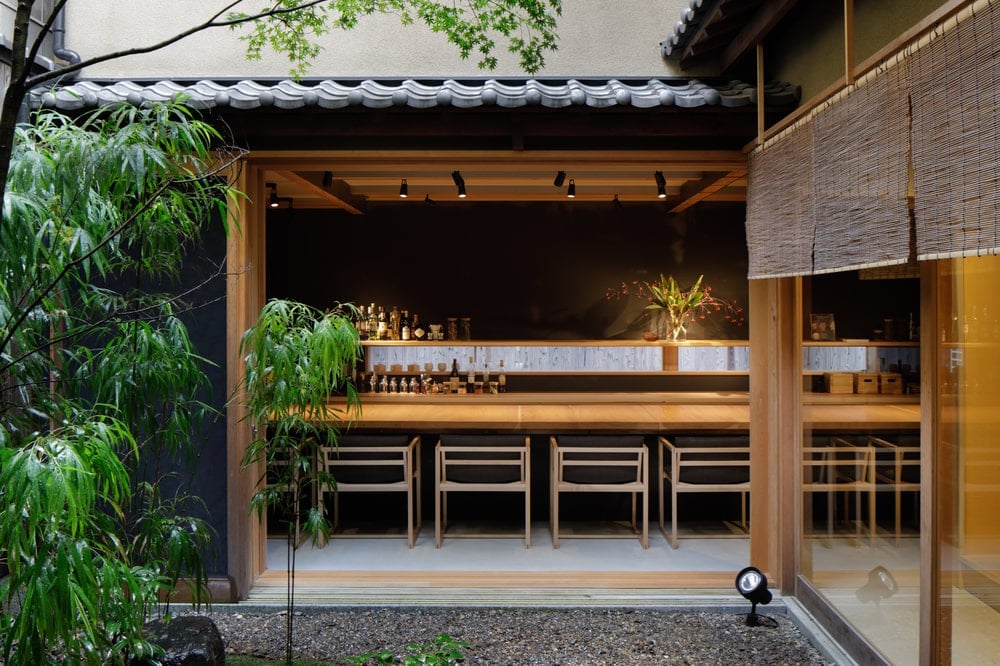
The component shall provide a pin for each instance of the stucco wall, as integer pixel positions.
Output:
(596, 38)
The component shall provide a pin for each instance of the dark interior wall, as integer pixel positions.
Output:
(520, 271)
(861, 306)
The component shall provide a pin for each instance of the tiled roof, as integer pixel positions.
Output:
(332, 94)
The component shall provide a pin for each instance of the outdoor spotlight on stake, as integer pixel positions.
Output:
(881, 585)
(752, 584)
(459, 183)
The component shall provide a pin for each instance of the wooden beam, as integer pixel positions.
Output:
(764, 20)
(700, 190)
(337, 193)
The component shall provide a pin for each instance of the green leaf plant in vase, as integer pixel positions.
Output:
(674, 307)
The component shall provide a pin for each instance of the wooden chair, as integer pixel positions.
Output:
(897, 467)
(703, 464)
(599, 464)
(842, 466)
(377, 463)
(484, 464)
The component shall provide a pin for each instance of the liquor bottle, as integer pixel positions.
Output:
(372, 323)
(486, 375)
(394, 323)
(502, 379)
(417, 330)
(383, 324)
(361, 323)
(470, 380)
(405, 331)
(454, 375)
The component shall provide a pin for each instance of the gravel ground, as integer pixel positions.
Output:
(564, 636)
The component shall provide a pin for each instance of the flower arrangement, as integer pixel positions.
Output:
(677, 306)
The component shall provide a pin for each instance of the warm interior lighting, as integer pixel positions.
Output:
(752, 584)
(459, 183)
(560, 179)
(272, 200)
(404, 189)
(661, 185)
(571, 190)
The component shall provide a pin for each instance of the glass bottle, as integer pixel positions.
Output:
(383, 324)
(405, 332)
(470, 379)
(454, 375)
(502, 379)
(417, 331)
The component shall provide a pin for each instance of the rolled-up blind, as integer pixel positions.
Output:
(780, 224)
(955, 89)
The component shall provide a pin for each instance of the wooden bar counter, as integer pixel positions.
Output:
(621, 412)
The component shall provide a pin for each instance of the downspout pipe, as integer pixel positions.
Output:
(59, 43)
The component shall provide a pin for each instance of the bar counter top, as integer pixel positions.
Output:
(621, 412)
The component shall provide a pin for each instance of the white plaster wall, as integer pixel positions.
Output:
(599, 38)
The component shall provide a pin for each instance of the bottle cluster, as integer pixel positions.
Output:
(472, 381)
(374, 322)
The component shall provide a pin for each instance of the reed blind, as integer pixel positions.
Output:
(780, 222)
(955, 89)
(937, 100)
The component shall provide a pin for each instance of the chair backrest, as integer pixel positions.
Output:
(483, 458)
(904, 449)
(837, 460)
(368, 458)
(600, 459)
(721, 459)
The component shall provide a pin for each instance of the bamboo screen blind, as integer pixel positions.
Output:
(849, 156)
(955, 86)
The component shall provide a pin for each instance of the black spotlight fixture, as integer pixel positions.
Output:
(560, 179)
(881, 585)
(459, 183)
(272, 199)
(617, 203)
(752, 584)
(571, 190)
(661, 185)
(428, 201)
(327, 178)
(404, 189)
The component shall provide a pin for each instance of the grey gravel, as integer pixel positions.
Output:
(562, 636)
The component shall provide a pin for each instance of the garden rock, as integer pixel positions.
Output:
(188, 641)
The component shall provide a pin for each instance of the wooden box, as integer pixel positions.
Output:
(890, 383)
(839, 382)
(866, 382)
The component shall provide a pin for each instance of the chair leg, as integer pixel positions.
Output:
(673, 517)
(555, 518)
(645, 519)
(635, 525)
(527, 516)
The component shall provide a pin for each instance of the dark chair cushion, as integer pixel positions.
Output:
(489, 472)
(352, 448)
(610, 474)
(727, 474)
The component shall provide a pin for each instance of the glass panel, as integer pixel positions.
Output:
(968, 473)
(860, 483)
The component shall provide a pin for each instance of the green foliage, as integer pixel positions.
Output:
(443, 650)
(297, 358)
(101, 384)
(295, 28)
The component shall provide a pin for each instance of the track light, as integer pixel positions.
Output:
(661, 185)
(273, 200)
(571, 190)
(752, 584)
(404, 189)
(617, 203)
(459, 183)
(560, 179)
(429, 201)
(327, 178)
